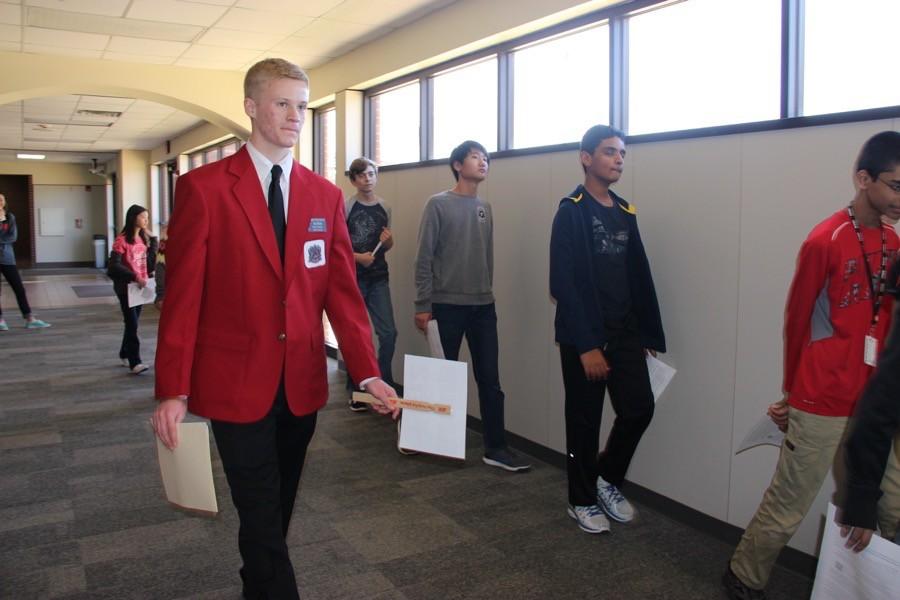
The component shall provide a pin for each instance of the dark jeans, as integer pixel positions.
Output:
(377, 296)
(131, 345)
(479, 325)
(15, 282)
(263, 462)
(632, 400)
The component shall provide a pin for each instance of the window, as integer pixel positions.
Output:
(560, 88)
(700, 63)
(465, 107)
(196, 160)
(848, 56)
(326, 143)
(395, 125)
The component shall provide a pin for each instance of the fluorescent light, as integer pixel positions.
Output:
(31, 156)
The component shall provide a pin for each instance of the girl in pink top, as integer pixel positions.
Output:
(132, 261)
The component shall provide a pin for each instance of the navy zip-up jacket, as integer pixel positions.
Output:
(579, 316)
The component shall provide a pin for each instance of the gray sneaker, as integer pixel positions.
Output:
(613, 502)
(505, 459)
(589, 518)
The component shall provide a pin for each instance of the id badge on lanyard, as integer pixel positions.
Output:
(870, 350)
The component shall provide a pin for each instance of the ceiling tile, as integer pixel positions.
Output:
(109, 8)
(329, 29)
(138, 58)
(60, 51)
(218, 53)
(197, 63)
(66, 39)
(32, 145)
(215, 2)
(10, 46)
(9, 13)
(145, 107)
(110, 103)
(173, 11)
(82, 132)
(309, 8)
(260, 21)
(130, 45)
(240, 39)
(10, 33)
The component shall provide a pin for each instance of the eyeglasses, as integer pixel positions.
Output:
(894, 185)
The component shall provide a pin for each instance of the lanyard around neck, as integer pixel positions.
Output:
(877, 292)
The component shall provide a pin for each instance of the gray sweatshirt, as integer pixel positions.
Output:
(455, 260)
(8, 235)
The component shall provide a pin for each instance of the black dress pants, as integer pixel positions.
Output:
(632, 400)
(131, 344)
(262, 462)
(15, 282)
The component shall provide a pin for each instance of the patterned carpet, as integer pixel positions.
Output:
(82, 513)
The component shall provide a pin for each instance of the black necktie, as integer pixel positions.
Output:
(276, 208)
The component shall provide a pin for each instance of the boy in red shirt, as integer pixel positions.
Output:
(836, 319)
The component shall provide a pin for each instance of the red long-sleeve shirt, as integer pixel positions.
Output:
(828, 315)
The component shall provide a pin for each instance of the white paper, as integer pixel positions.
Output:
(187, 470)
(842, 574)
(660, 375)
(764, 432)
(433, 335)
(440, 382)
(377, 248)
(141, 295)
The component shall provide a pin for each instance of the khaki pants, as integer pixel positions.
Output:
(808, 452)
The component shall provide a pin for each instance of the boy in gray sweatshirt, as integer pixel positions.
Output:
(454, 272)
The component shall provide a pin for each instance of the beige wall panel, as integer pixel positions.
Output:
(50, 173)
(522, 203)
(791, 180)
(687, 195)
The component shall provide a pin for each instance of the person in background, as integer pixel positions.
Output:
(160, 272)
(369, 221)
(132, 260)
(8, 235)
(454, 278)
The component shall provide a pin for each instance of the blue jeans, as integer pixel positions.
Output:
(377, 296)
(479, 325)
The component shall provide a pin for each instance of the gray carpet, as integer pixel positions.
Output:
(82, 513)
(94, 291)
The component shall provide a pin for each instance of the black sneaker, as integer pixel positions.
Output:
(737, 590)
(358, 406)
(505, 459)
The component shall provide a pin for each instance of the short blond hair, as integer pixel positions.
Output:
(268, 69)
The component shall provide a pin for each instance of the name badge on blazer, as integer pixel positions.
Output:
(314, 254)
(317, 225)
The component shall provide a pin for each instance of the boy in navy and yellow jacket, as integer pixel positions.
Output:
(607, 319)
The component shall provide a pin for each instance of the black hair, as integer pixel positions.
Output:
(460, 153)
(880, 153)
(596, 134)
(130, 218)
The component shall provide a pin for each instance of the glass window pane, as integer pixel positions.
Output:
(849, 51)
(211, 155)
(327, 167)
(465, 107)
(395, 125)
(229, 149)
(196, 160)
(554, 102)
(700, 63)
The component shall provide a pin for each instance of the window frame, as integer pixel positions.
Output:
(790, 88)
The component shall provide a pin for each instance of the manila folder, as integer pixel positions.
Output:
(187, 470)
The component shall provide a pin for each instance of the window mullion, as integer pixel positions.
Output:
(618, 73)
(792, 14)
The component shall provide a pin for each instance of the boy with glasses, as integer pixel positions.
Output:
(835, 322)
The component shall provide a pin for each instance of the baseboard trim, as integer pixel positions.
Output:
(790, 558)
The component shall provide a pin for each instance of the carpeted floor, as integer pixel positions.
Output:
(82, 513)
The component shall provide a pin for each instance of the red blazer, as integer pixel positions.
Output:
(233, 317)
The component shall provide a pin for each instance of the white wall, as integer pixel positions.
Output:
(77, 202)
(722, 219)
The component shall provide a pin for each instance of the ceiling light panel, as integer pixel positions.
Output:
(64, 21)
(67, 39)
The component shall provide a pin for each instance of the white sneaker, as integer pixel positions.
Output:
(124, 362)
(613, 502)
(139, 368)
(590, 518)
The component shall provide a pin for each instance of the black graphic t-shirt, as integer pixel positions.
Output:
(610, 248)
(365, 223)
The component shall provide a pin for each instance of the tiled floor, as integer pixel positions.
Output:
(82, 513)
(55, 290)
